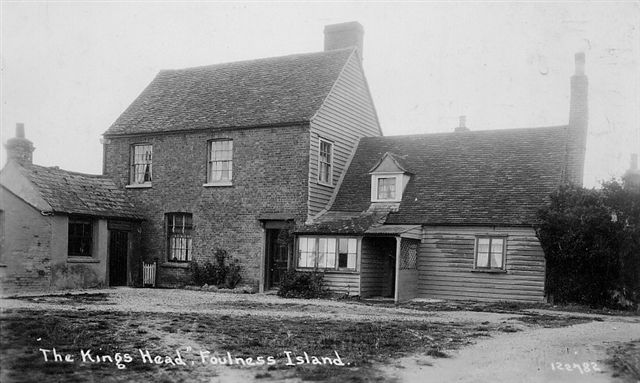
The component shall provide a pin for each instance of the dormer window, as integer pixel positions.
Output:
(388, 179)
(387, 188)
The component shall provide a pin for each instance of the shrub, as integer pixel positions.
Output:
(591, 240)
(218, 274)
(302, 284)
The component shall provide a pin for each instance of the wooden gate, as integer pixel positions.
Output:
(149, 274)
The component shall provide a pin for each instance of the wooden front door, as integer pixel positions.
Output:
(118, 249)
(277, 258)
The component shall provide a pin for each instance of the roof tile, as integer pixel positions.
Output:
(288, 89)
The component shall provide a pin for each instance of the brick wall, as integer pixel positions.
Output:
(270, 170)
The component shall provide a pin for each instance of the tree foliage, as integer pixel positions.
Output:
(591, 240)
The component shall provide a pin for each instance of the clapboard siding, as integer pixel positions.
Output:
(407, 285)
(346, 115)
(445, 264)
(346, 283)
(374, 266)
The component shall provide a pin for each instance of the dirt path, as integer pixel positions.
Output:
(525, 356)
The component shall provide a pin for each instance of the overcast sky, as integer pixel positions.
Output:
(69, 69)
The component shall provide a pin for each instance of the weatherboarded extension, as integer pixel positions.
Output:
(446, 265)
(343, 282)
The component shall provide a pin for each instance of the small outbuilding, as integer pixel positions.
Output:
(61, 229)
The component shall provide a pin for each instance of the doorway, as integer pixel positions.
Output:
(118, 249)
(277, 257)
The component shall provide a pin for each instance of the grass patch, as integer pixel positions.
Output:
(360, 344)
(504, 307)
(553, 321)
(625, 360)
(68, 298)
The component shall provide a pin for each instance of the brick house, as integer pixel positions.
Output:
(231, 156)
(447, 215)
(61, 229)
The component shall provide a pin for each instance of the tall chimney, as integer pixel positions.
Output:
(19, 148)
(631, 177)
(462, 126)
(344, 35)
(578, 122)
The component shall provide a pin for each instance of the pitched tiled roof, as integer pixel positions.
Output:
(498, 177)
(262, 92)
(77, 193)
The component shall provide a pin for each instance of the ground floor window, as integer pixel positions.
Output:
(328, 253)
(490, 252)
(179, 237)
(80, 238)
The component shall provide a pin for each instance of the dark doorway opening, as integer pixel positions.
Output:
(118, 249)
(277, 257)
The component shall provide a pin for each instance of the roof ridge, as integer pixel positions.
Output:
(508, 130)
(248, 61)
(58, 169)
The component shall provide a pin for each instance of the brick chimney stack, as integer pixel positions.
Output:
(19, 148)
(578, 122)
(631, 177)
(462, 126)
(344, 35)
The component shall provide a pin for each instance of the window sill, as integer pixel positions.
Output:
(325, 184)
(72, 259)
(175, 265)
(217, 184)
(138, 186)
(328, 271)
(490, 271)
(386, 200)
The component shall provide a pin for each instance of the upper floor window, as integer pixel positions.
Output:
(389, 177)
(490, 252)
(386, 188)
(80, 238)
(327, 253)
(179, 237)
(220, 165)
(141, 164)
(325, 162)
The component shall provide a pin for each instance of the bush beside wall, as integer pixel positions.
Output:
(591, 240)
(302, 284)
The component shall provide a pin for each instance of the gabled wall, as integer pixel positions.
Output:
(34, 251)
(347, 115)
(26, 251)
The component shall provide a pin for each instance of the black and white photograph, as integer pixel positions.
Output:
(322, 191)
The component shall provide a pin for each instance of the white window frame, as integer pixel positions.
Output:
(335, 254)
(185, 232)
(491, 238)
(210, 160)
(329, 181)
(374, 186)
(133, 168)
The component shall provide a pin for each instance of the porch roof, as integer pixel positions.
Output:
(409, 231)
